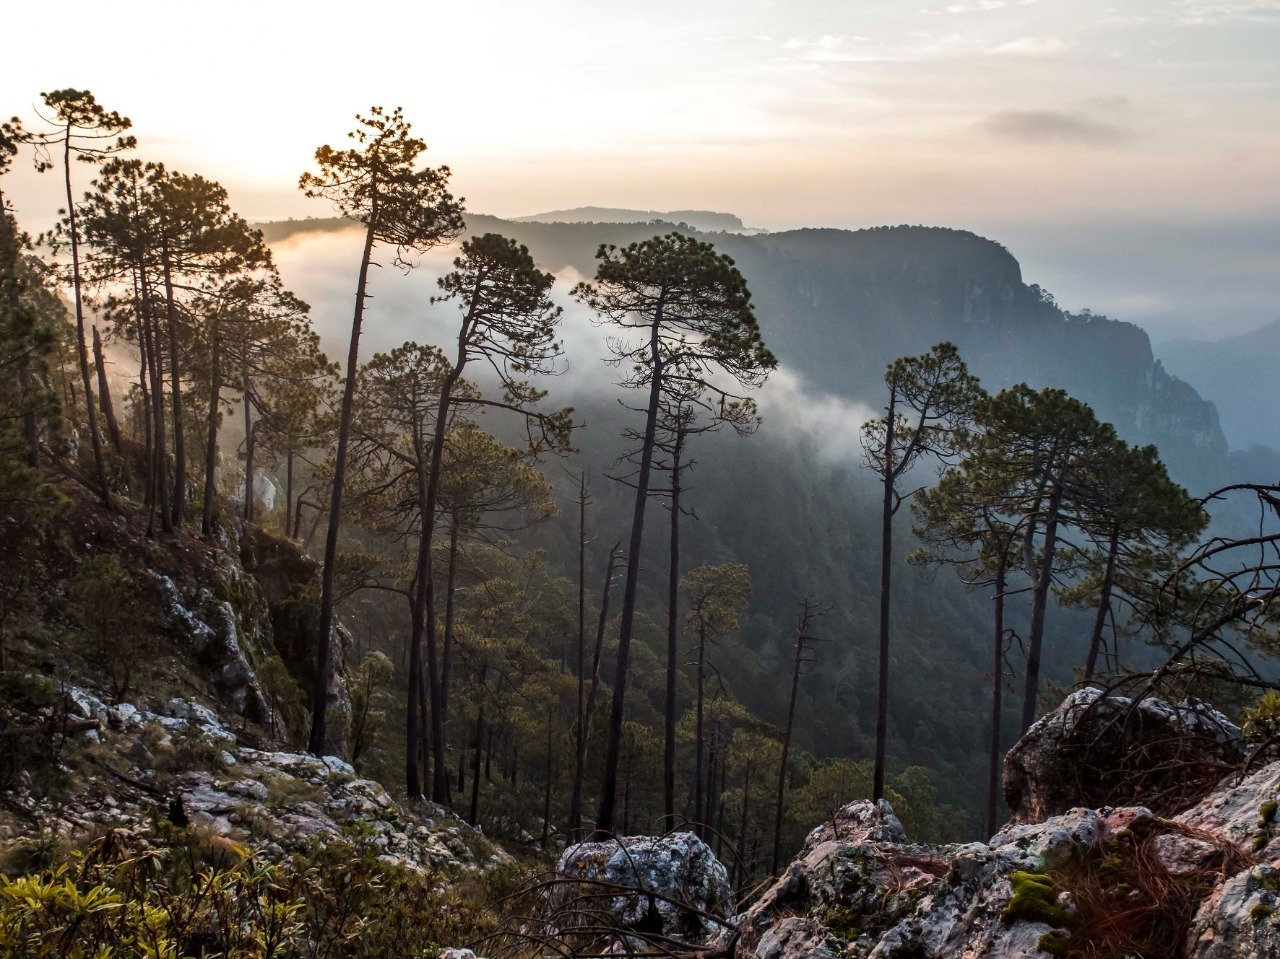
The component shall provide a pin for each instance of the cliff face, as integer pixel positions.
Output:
(839, 306)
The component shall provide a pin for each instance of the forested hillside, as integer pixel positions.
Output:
(596, 527)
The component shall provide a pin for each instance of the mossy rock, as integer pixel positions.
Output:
(1034, 900)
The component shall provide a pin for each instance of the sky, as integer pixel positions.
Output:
(1127, 153)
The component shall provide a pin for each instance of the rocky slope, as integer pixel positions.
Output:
(183, 763)
(159, 679)
(1112, 881)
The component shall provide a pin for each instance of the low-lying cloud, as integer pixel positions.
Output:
(1051, 126)
(321, 268)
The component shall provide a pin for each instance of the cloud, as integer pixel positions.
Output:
(791, 407)
(1049, 126)
(979, 5)
(1257, 11)
(1033, 47)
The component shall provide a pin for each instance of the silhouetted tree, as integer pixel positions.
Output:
(377, 182)
(931, 399)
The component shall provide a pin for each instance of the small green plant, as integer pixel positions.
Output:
(1034, 900)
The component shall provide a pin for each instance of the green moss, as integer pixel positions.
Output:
(844, 922)
(1260, 912)
(1260, 842)
(1267, 811)
(1055, 944)
(1033, 901)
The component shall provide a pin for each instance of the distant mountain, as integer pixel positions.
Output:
(837, 306)
(1239, 374)
(704, 220)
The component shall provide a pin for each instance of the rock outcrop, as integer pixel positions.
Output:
(672, 883)
(1201, 882)
(1097, 750)
(183, 761)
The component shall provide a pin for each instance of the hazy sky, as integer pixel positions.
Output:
(1127, 153)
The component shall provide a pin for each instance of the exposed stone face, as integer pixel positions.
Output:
(277, 799)
(861, 821)
(1097, 750)
(860, 890)
(678, 867)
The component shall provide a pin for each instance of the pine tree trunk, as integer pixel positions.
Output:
(161, 476)
(104, 395)
(82, 350)
(1039, 603)
(320, 688)
(698, 742)
(997, 705)
(248, 450)
(742, 830)
(446, 659)
(888, 477)
(786, 751)
(473, 816)
(175, 374)
(211, 436)
(1104, 605)
(673, 635)
(580, 760)
(148, 486)
(613, 743)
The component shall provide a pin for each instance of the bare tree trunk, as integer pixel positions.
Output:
(82, 350)
(673, 636)
(1104, 605)
(104, 395)
(320, 688)
(997, 704)
(580, 760)
(1039, 602)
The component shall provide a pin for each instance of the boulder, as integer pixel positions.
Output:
(1097, 750)
(676, 879)
(860, 821)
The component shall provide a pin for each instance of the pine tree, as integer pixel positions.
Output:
(692, 307)
(378, 183)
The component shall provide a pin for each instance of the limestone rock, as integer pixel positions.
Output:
(1097, 750)
(678, 867)
(861, 821)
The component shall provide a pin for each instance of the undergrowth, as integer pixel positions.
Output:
(190, 892)
(1123, 901)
